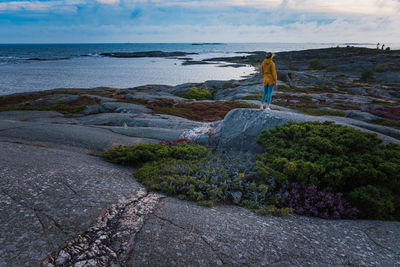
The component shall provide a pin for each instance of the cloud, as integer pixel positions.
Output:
(40, 6)
(110, 2)
(202, 20)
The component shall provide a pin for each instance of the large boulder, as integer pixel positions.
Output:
(241, 128)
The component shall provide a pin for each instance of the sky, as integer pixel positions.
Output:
(174, 21)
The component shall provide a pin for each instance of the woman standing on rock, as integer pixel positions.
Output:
(270, 79)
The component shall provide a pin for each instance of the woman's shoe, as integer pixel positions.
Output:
(262, 107)
(268, 108)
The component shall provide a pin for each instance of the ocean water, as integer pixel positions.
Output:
(81, 66)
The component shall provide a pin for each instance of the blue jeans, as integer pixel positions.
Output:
(267, 89)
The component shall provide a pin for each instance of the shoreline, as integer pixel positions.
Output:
(252, 60)
(52, 141)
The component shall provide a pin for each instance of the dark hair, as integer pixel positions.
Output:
(269, 55)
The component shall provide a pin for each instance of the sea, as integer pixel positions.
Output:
(37, 67)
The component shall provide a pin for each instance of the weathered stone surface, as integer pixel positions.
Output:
(93, 109)
(53, 98)
(147, 132)
(182, 233)
(241, 127)
(111, 237)
(359, 115)
(237, 92)
(49, 195)
(124, 107)
(180, 89)
(28, 115)
(139, 120)
(55, 135)
(154, 95)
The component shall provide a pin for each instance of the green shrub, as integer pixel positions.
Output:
(209, 180)
(315, 64)
(194, 173)
(367, 76)
(198, 94)
(373, 202)
(349, 161)
(139, 154)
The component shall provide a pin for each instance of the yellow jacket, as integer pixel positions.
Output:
(268, 72)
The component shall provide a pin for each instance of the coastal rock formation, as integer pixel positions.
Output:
(61, 204)
(147, 54)
(241, 127)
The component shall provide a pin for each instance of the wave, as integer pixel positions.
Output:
(90, 55)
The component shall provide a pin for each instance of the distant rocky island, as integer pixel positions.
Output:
(146, 54)
(63, 205)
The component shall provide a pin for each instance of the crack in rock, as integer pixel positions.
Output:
(110, 238)
(194, 231)
(376, 242)
(37, 212)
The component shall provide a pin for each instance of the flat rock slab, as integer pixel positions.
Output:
(29, 114)
(49, 195)
(147, 132)
(124, 107)
(182, 233)
(87, 137)
(139, 120)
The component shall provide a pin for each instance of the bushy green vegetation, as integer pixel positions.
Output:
(196, 173)
(315, 64)
(318, 169)
(139, 154)
(198, 94)
(333, 156)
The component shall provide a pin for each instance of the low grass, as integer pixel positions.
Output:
(253, 97)
(229, 85)
(320, 112)
(207, 111)
(203, 111)
(386, 122)
(65, 107)
(22, 99)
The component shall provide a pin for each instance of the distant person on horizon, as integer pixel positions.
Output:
(270, 79)
(377, 45)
